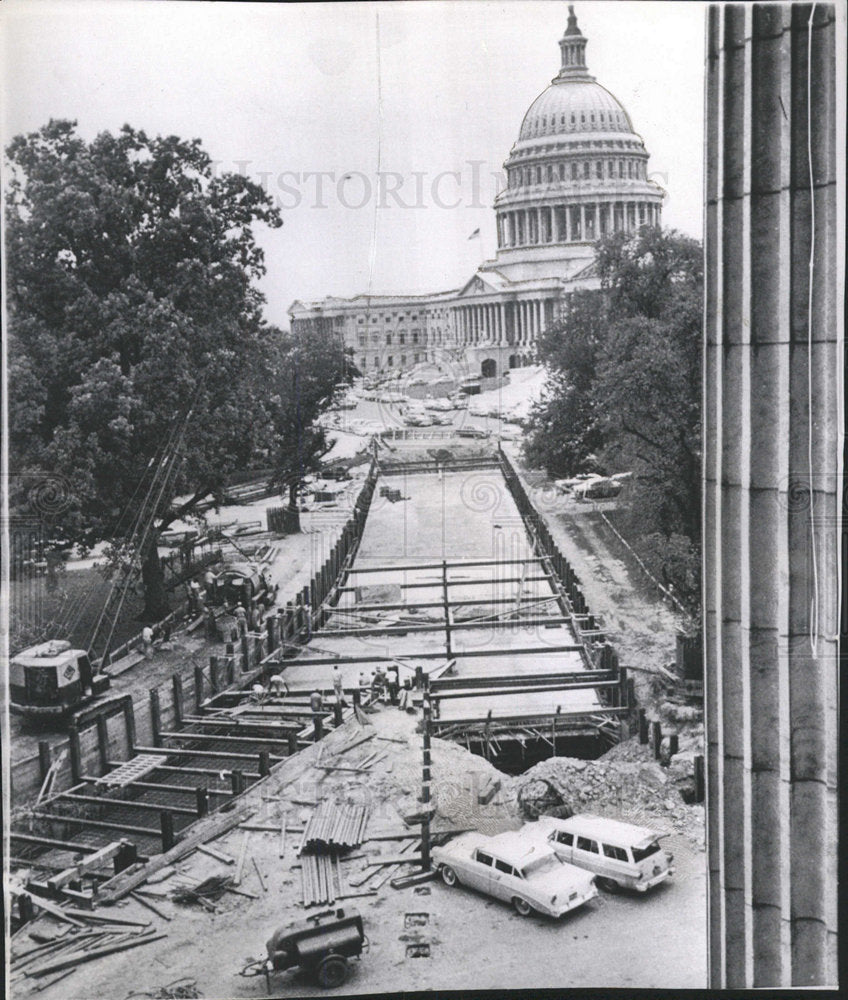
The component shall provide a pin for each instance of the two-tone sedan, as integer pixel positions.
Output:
(513, 868)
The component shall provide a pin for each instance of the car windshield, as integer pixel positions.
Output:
(640, 853)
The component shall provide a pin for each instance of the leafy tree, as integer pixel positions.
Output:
(305, 373)
(136, 335)
(625, 386)
(565, 429)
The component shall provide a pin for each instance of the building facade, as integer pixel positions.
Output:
(577, 172)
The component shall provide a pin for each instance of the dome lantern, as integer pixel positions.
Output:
(573, 48)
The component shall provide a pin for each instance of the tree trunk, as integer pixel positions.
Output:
(153, 580)
(293, 514)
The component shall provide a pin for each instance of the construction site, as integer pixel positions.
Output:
(442, 669)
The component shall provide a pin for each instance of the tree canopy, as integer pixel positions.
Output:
(136, 327)
(624, 390)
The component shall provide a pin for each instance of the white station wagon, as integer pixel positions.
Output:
(621, 855)
(516, 869)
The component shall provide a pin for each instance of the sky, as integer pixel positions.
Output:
(379, 129)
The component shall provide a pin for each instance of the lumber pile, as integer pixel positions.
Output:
(333, 827)
(60, 955)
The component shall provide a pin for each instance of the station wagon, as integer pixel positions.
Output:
(621, 855)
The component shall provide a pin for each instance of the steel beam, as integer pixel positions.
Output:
(429, 655)
(454, 627)
(450, 565)
(128, 803)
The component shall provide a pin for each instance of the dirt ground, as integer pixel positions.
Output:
(655, 941)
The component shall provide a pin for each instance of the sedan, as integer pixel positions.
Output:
(513, 868)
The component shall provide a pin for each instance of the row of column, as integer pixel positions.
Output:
(573, 223)
(502, 323)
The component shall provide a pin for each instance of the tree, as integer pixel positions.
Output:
(136, 333)
(305, 373)
(565, 429)
(624, 390)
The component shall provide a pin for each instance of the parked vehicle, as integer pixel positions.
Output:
(245, 584)
(599, 488)
(321, 945)
(51, 679)
(621, 855)
(517, 869)
(440, 405)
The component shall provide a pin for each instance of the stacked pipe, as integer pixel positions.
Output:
(319, 874)
(335, 827)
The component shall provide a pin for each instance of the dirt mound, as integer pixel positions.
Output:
(626, 783)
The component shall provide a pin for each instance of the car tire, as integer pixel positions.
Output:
(521, 906)
(608, 885)
(448, 875)
(332, 971)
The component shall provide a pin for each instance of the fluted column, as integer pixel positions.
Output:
(772, 501)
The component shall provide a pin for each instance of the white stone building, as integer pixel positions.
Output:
(578, 171)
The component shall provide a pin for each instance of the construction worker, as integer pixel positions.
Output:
(210, 582)
(393, 682)
(277, 685)
(316, 702)
(241, 619)
(194, 597)
(338, 687)
(363, 683)
(378, 683)
(147, 640)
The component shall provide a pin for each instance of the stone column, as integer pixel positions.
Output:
(501, 323)
(772, 528)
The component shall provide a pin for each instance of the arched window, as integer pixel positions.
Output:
(562, 171)
(574, 171)
(587, 169)
(599, 169)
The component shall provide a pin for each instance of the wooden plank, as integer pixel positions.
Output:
(218, 855)
(149, 906)
(203, 831)
(61, 845)
(53, 909)
(78, 958)
(394, 859)
(241, 858)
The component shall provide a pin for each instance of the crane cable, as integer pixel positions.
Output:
(148, 525)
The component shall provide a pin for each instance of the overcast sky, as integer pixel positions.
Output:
(421, 91)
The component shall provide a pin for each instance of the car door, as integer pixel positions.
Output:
(587, 853)
(478, 872)
(503, 880)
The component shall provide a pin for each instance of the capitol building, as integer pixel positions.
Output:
(577, 172)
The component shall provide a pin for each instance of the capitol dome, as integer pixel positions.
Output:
(583, 106)
(578, 170)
